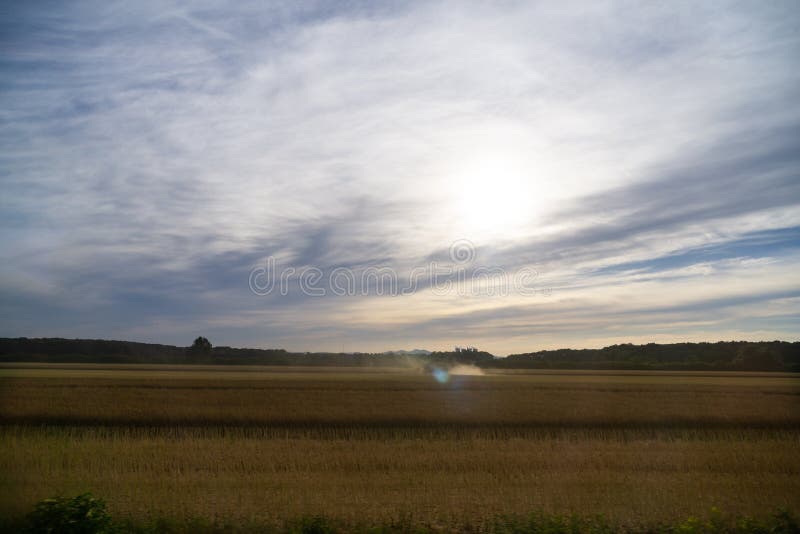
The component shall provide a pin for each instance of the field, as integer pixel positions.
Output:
(267, 445)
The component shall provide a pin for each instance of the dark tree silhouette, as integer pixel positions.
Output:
(720, 356)
(201, 345)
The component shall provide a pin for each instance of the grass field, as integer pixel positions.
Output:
(272, 444)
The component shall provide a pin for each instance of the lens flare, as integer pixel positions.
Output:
(441, 375)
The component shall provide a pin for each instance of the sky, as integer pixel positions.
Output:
(370, 176)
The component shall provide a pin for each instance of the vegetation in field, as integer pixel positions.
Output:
(511, 404)
(85, 514)
(366, 448)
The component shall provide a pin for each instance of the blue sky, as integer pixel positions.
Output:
(639, 161)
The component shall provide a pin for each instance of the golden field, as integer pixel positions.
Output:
(270, 444)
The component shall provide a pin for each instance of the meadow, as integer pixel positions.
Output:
(264, 445)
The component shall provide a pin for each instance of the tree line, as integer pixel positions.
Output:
(721, 356)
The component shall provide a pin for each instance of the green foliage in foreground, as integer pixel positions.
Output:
(82, 514)
(85, 514)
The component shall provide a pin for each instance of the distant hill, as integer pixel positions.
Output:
(720, 356)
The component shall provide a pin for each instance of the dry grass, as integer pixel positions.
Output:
(374, 446)
(402, 399)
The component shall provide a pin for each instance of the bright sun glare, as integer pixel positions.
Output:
(492, 196)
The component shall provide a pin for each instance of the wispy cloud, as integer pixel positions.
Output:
(643, 158)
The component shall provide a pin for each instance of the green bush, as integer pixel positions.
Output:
(316, 525)
(85, 514)
(82, 514)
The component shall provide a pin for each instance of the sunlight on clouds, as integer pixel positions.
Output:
(140, 187)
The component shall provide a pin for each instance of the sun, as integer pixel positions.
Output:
(492, 195)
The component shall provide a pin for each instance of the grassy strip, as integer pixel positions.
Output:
(249, 478)
(780, 522)
(396, 431)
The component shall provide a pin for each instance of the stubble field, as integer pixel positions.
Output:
(267, 445)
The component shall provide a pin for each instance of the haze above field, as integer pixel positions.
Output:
(642, 160)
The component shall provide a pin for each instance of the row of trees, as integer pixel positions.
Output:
(724, 355)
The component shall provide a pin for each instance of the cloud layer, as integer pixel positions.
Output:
(642, 159)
